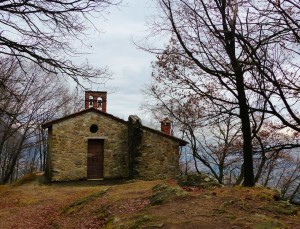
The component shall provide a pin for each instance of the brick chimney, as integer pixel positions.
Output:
(96, 99)
(166, 126)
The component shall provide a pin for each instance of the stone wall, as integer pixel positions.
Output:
(159, 157)
(69, 142)
(152, 155)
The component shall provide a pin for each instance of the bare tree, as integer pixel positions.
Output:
(288, 11)
(243, 50)
(286, 176)
(274, 55)
(43, 32)
(28, 100)
(213, 133)
(205, 35)
(215, 138)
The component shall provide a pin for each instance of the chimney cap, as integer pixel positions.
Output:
(166, 120)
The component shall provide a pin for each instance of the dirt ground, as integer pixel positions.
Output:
(128, 205)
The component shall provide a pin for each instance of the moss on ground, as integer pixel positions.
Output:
(163, 193)
(267, 223)
(282, 208)
(140, 220)
(103, 213)
(79, 204)
(126, 205)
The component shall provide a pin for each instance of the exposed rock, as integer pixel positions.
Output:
(198, 180)
(163, 193)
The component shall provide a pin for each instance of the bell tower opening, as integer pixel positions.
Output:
(91, 101)
(96, 100)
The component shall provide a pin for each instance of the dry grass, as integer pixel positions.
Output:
(127, 205)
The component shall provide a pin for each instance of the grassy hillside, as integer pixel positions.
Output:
(141, 204)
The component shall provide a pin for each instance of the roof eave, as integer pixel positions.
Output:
(50, 123)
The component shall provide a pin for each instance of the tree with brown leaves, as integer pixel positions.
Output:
(240, 55)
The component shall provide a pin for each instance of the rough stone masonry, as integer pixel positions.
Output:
(131, 150)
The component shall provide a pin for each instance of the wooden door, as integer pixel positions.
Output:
(95, 158)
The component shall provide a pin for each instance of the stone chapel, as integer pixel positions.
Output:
(93, 144)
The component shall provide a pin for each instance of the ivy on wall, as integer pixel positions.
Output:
(135, 134)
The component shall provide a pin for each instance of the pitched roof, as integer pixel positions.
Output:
(50, 123)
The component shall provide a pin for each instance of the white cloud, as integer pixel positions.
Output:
(131, 67)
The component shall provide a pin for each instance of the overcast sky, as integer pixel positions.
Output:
(114, 48)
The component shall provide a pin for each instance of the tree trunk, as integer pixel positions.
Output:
(246, 130)
(294, 193)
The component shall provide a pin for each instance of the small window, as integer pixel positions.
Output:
(91, 101)
(94, 128)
